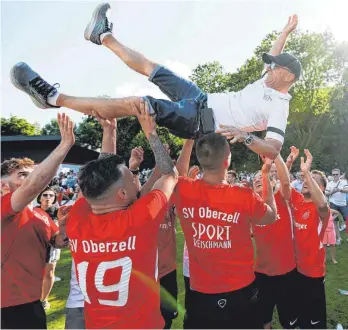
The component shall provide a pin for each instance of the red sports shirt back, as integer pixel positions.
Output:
(216, 223)
(116, 262)
(309, 232)
(274, 242)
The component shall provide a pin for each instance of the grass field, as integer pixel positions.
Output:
(337, 278)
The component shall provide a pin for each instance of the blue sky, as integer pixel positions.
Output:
(49, 37)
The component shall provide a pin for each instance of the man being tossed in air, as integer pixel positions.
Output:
(190, 113)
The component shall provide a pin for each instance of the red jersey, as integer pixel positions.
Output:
(274, 242)
(167, 243)
(309, 232)
(24, 240)
(216, 223)
(115, 255)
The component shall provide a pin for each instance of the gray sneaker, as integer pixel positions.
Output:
(99, 24)
(28, 81)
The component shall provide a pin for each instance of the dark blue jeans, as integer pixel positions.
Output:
(181, 115)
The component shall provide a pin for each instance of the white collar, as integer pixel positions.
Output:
(269, 90)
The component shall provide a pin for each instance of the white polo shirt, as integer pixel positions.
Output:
(254, 108)
(76, 298)
(338, 198)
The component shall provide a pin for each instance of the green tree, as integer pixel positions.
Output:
(314, 97)
(51, 128)
(18, 126)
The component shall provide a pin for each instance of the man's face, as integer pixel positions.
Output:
(336, 175)
(317, 179)
(273, 172)
(300, 176)
(257, 183)
(130, 188)
(230, 178)
(47, 199)
(278, 76)
(16, 178)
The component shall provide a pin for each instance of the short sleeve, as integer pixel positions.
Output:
(257, 207)
(277, 122)
(6, 208)
(296, 197)
(150, 207)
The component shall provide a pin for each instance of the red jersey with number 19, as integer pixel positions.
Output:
(116, 262)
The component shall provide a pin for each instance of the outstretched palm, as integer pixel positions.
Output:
(291, 25)
(306, 165)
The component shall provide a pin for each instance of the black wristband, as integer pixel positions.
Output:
(135, 172)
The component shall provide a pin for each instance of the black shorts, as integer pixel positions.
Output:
(278, 291)
(169, 297)
(25, 316)
(187, 299)
(311, 302)
(229, 310)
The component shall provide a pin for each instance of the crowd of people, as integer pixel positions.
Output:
(122, 234)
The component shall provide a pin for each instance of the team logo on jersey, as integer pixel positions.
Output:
(222, 303)
(305, 215)
(267, 98)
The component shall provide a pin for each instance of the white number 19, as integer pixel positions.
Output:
(122, 287)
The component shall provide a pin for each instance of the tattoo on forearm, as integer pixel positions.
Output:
(162, 157)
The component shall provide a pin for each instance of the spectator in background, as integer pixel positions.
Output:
(298, 183)
(47, 200)
(231, 177)
(329, 239)
(64, 182)
(336, 191)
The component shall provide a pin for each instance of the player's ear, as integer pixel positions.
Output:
(5, 187)
(122, 193)
(290, 77)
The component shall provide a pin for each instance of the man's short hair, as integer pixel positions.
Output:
(10, 165)
(322, 177)
(336, 169)
(233, 173)
(211, 151)
(96, 177)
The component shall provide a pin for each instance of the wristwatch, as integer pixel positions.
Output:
(135, 172)
(249, 139)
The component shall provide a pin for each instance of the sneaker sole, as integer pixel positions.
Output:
(14, 82)
(90, 27)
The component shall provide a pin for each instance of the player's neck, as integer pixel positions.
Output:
(281, 89)
(107, 208)
(212, 177)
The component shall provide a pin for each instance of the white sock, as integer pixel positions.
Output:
(52, 100)
(103, 35)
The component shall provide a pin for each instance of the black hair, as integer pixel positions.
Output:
(48, 188)
(211, 151)
(98, 175)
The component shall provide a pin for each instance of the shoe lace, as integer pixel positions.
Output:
(43, 87)
(107, 25)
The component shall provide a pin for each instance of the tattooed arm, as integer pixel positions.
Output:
(163, 161)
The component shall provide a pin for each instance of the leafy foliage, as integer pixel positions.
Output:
(18, 126)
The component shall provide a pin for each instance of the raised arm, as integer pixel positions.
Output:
(267, 194)
(109, 134)
(317, 195)
(135, 160)
(165, 164)
(294, 153)
(45, 172)
(284, 177)
(183, 162)
(279, 44)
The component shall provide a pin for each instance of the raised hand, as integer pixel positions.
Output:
(294, 153)
(306, 165)
(146, 121)
(267, 164)
(291, 25)
(232, 133)
(193, 172)
(137, 157)
(105, 123)
(66, 128)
